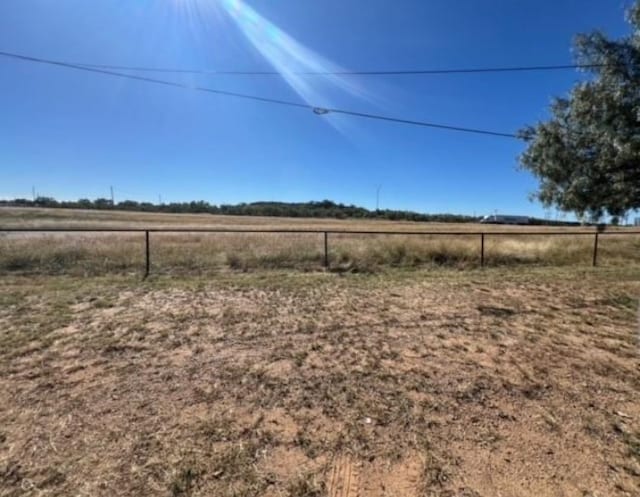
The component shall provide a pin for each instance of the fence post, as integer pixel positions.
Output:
(326, 250)
(595, 250)
(481, 249)
(147, 257)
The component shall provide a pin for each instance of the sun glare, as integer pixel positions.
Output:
(289, 57)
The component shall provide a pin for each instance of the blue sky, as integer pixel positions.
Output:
(73, 134)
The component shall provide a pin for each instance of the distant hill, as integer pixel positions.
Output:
(319, 209)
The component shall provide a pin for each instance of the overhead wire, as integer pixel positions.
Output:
(392, 72)
(320, 110)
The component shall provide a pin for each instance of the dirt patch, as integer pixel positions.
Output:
(353, 478)
(447, 384)
(344, 478)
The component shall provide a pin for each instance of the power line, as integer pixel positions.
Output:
(406, 72)
(316, 109)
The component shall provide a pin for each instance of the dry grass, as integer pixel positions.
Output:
(306, 384)
(408, 384)
(82, 254)
(40, 217)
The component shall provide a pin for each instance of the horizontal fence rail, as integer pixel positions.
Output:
(316, 231)
(326, 235)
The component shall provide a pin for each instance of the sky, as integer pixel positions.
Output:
(73, 134)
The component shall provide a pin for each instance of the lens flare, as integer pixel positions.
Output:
(289, 57)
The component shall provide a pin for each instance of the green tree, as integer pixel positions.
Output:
(587, 155)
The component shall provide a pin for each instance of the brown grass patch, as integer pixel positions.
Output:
(201, 253)
(448, 383)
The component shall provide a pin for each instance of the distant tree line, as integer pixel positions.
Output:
(321, 209)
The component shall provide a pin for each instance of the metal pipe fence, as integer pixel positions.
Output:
(482, 236)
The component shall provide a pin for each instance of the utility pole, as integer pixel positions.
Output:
(33, 192)
(378, 197)
(112, 197)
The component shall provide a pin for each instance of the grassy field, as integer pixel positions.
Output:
(241, 369)
(197, 253)
(40, 217)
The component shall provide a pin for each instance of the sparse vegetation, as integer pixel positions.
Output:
(307, 384)
(220, 377)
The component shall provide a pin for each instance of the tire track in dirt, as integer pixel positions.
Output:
(356, 478)
(344, 478)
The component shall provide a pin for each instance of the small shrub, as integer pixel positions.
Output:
(184, 482)
(19, 262)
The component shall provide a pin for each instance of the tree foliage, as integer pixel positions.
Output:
(324, 209)
(587, 155)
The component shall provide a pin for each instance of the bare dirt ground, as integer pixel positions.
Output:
(406, 384)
